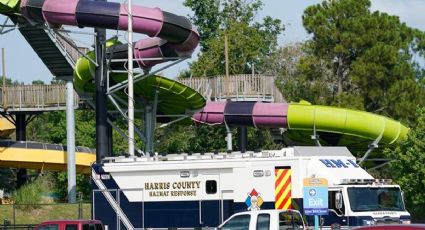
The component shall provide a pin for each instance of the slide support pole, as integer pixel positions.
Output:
(130, 82)
(70, 141)
(101, 110)
(242, 138)
(229, 139)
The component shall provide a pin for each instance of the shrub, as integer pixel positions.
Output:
(28, 196)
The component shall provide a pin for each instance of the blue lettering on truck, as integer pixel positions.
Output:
(338, 163)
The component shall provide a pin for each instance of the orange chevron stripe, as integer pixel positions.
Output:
(283, 188)
(280, 174)
(284, 191)
(287, 192)
(288, 204)
(279, 200)
(284, 181)
(286, 195)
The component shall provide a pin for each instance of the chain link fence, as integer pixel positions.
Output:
(26, 216)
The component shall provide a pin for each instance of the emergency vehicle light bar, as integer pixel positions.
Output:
(367, 181)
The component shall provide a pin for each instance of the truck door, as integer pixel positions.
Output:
(291, 220)
(336, 216)
(226, 205)
(210, 202)
(283, 197)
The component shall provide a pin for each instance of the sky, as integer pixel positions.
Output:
(23, 65)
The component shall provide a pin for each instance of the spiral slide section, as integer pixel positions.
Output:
(171, 35)
(335, 126)
(174, 97)
(8, 6)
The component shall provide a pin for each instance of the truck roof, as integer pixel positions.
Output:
(297, 151)
(71, 222)
(305, 151)
(261, 211)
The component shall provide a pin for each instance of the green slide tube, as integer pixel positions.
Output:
(174, 97)
(9, 6)
(349, 123)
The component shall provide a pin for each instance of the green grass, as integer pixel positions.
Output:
(30, 195)
(43, 213)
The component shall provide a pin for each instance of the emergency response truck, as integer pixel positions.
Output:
(202, 190)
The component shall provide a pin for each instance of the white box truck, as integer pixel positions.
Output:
(202, 190)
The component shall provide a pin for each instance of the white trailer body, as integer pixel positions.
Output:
(187, 191)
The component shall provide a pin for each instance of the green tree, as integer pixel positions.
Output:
(368, 55)
(50, 127)
(8, 81)
(61, 186)
(249, 41)
(178, 139)
(206, 18)
(7, 180)
(38, 82)
(407, 168)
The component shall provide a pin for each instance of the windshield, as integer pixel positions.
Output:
(375, 199)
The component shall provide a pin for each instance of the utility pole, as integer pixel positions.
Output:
(3, 88)
(130, 82)
(226, 59)
(226, 55)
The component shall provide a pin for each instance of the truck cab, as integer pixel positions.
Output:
(355, 198)
(265, 220)
(367, 202)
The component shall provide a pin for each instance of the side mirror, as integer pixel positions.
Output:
(338, 200)
(321, 221)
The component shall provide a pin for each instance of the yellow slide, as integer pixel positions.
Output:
(33, 155)
(6, 128)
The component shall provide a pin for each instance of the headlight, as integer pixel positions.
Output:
(404, 221)
(368, 222)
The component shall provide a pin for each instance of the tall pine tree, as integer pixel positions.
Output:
(369, 55)
(407, 168)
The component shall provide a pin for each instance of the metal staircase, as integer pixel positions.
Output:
(56, 49)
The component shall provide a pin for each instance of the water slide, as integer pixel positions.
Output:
(34, 155)
(6, 128)
(171, 36)
(335, 126)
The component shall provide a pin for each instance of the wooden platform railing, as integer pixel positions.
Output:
(34, 98)
(53, 97)
(236, 87)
